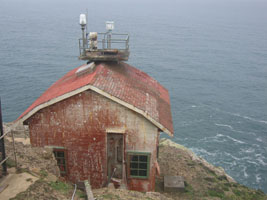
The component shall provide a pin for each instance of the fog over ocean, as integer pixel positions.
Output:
(210, 54)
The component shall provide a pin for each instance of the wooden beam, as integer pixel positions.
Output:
(88, 190)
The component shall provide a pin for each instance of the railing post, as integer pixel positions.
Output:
(2, 143)
(109, 39)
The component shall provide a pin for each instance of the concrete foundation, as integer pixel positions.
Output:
(173, 183)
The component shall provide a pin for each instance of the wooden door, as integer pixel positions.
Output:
(115, 155)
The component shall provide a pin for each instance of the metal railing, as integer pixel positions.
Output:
(3, 157)
(106, 41)
(2, 144)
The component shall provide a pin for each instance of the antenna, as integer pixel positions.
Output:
(86, 19)
(109, 28)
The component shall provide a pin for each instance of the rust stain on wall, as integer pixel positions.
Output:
(79, 125)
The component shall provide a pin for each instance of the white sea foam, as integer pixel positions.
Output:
(230, 155)
(246, 158)
(225, 125)
(234, 130)
(217, 138)
(252, 162)
(258, 178)
(235, 140)
(245, 171)
(203, 151)
(260, 160)
(238, 115)
(256, 145)
(252, 119)
(259, 139)
(249, 150)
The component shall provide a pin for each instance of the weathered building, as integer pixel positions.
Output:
(101, 120)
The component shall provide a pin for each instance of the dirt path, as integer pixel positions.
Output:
(16, 183)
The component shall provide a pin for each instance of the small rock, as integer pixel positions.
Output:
(51, 178)
(35, 170)
(47, 154)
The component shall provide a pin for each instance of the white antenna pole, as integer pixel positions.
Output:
(87, 19)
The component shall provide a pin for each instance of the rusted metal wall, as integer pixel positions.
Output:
(79, 124)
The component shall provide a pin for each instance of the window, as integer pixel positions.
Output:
(60, 156)
(138, 166)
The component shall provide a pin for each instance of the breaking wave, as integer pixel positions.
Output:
(237, 115)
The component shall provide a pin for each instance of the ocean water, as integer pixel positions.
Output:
(210, 54)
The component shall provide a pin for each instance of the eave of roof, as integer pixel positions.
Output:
(100, 81)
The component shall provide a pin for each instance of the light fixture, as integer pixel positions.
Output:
(82, 19)
(84, 34)
(109, 25)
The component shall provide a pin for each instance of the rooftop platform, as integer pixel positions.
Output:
(105, 55)
(104, 47)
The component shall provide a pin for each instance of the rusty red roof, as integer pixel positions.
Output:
(130, 85)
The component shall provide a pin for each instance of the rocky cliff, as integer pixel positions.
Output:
(202, 180)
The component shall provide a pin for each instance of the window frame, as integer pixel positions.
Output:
(65, 158)
(138, 153)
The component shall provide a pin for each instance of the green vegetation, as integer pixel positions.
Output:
(43, 173)
(61, 186)
(110, 196)
(81, 194)
(10, 163)
(215, 192)
(237, 192)
(189, 189)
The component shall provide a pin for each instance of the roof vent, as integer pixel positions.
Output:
(85, 69)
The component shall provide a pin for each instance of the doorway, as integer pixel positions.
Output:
(115, 155)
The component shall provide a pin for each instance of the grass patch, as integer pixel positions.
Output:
(81, 194)
(10, 163)
(222, 178)
(43, 173)
(210, 179)
(110, 196)
(225, 188)
(258, 196)
(234, 185)
(215, 193)
(245, 193)
(191, 163)
(189, 189)
(237, 192)
(227, 184)
(60, 186)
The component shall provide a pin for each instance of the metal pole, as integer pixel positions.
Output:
(109, 40)
(14, 149)
(84, 40)
(2, 143)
